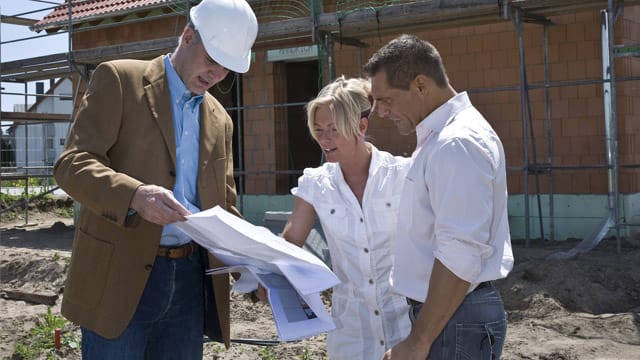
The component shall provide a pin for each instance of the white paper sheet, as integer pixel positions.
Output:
(293, 276)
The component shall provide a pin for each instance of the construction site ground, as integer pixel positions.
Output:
(584, 308)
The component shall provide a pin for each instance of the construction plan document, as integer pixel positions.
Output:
(292, 276)
(296, 316)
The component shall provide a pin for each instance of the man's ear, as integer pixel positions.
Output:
(188, 35)
(422, 83)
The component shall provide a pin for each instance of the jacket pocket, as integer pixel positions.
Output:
(89, 270)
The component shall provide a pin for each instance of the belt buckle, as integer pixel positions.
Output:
(178, 252)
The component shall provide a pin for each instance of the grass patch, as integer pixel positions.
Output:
(41, 339)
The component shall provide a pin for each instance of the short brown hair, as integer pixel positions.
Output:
(406, 57)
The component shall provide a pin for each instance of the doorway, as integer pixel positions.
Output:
(297, 150)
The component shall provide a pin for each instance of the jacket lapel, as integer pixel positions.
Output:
(210, 129)
(159, 99)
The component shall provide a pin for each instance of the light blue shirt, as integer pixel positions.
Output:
(186, 124)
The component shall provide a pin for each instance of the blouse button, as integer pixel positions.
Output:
(366, 250)
(388, 204)
(333, 211)
(381, 342)
(377, 312)
(361, 220)
(370, 281)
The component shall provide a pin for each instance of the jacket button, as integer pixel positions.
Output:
(148, 267)
(172, 173)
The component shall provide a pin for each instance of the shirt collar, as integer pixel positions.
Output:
(177, 88)
(441, 116)
(374, 165)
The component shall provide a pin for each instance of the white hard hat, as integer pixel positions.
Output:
(228, 29)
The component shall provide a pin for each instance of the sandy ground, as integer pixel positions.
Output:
(584, 308)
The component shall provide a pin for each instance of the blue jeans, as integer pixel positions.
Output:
(476, 331)
(169, 320)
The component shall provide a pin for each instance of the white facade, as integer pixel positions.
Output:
(38, 145)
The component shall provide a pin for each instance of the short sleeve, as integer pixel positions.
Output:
(304, 189)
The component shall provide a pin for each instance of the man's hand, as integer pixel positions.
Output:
(157, 205)
(407, 350)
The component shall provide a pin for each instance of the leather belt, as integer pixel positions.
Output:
(178, 252)
(482, 285)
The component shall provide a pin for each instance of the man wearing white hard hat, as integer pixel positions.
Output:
(148, 146)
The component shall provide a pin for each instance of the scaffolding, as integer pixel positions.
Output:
(351, 23)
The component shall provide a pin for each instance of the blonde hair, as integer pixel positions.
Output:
(347, 99)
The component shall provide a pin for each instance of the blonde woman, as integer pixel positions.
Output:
(355, 195)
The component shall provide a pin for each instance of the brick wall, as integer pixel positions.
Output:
(485, 57)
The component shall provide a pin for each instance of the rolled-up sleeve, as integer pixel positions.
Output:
(461, 176)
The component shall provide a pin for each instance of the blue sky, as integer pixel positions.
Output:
(25, 48)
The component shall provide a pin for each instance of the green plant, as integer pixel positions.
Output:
(306, 355)
(11, 215)
(71, 341)
(66, 212)
(41, 338)
(217, 349)
(267, 353)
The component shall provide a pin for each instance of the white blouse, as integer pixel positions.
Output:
(370, 317)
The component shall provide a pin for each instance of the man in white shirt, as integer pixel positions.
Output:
(453, 237)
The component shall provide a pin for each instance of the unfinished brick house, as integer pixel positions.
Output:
(534, 68)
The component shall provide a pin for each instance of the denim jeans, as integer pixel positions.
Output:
(476, 331)
(169, 320)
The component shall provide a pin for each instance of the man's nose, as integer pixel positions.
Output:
(218, 72)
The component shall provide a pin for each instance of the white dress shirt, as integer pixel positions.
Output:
(369, 316)
(454, 203)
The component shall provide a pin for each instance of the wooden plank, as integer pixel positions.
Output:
(33, 116)
(136, 50)
(16, 20)
(46, 299)
(43, 74)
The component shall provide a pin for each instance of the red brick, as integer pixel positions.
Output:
(568, 92)
(483, 61)
(588, 50)
(476, 79)
(459, 46)
(576, 70)
(474, 43)
(579, 145)
(558, 71)
(575, 32)
(568, 51)
(489, 43)
(500, 58)
(507, 40)
(557, 34)
(468, 62)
